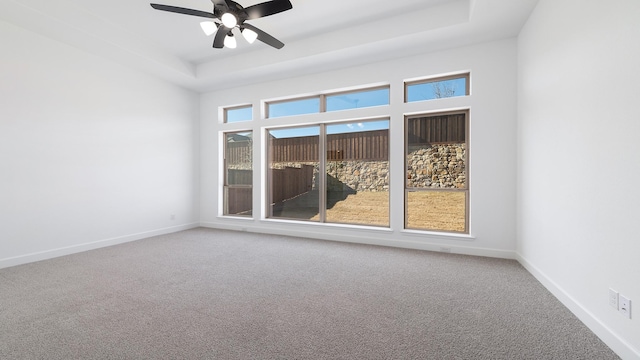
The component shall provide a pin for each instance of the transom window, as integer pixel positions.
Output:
(437, 88)
(293, 107)
(238, 113)
(357, 99)
(329, 102)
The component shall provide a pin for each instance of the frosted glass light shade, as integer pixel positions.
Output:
(230, 42)
(229, 20)
(209, 27)
(249, 35)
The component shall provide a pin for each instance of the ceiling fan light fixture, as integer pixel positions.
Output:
(230, 41)
(229, 20)
(249, 35)
(233, 15)
(209, 27)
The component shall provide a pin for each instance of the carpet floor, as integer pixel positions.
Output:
(213, 294)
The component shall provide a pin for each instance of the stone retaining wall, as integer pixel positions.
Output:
(438, 166)
(358, 175)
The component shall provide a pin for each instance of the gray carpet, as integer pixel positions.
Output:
(211, 294)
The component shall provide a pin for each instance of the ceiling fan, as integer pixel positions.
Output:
(230, 15)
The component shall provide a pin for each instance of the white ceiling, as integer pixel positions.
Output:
(318, 34)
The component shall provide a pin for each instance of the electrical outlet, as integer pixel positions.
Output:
(613, 299)
(624, 306)
(445, 249)
(173, 216)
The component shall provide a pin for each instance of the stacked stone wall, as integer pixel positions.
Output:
(436, 166)
(358, 175)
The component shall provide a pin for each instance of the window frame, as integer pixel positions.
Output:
(225, 175)
(322, 165)
(260, 130)
(267, 155)
(466, 190)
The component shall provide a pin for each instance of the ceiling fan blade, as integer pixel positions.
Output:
(268, 8)
(264, 37)
(184, 11)
(218, 41)
(220, 3)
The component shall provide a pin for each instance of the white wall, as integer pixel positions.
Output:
(91, 153)
(492, 145)
(579, 159)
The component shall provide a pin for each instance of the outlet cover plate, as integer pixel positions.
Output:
(624, 306)
(613, 299)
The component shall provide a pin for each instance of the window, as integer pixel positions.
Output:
(293, 107)
(357, 173)
(355, 185)
(238, 174)
(329, 102)
(358, 99)
(237, 114)
(293, 173)
(327, 169)
(437, 88)
(436, 191)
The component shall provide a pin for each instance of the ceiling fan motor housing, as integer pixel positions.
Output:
(234, 8)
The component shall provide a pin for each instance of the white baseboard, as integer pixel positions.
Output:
(617, 344)
(49, 254)
(368, 237)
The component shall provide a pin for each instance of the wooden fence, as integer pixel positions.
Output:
(239, 152)
(239, 177)
(239, 200)
(286, 183)
(437, 129)
(365, 146)
(290, 182)
(239, 193)
(298, 149)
